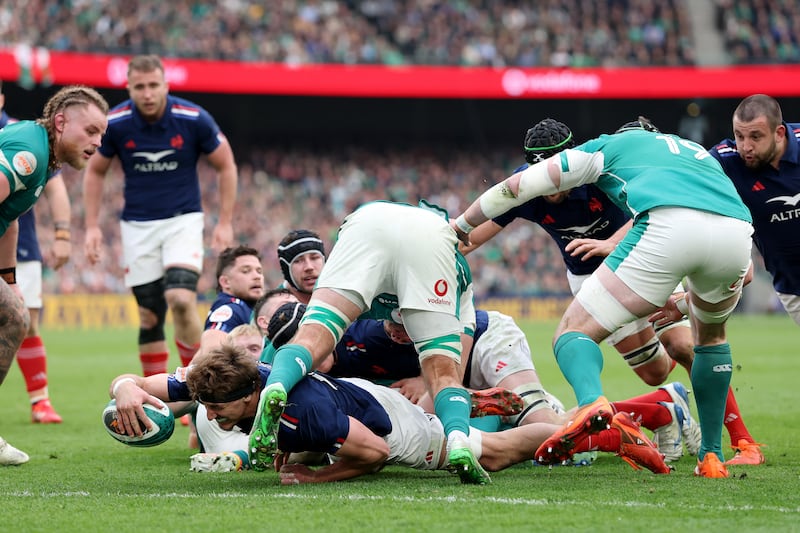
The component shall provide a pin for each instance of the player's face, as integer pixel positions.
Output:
(253, 344)
(269, 308)
(244, 279)
(148, 90)
(758, 144)
(306, 270)
(79, 130)
(229, 414)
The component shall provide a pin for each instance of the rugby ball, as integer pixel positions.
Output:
(163, 425)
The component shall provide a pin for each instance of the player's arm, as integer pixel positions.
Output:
(211, 339)
(483, 233)
(223, 162)
(363, 452)
(567, 170)
(587, 248)
(92, 197)
(8, 252)
(61, 212)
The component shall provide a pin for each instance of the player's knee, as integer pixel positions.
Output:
(180, 290)
(152, 311)
(651, 362)
(181, 278)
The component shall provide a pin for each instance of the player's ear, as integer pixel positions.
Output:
(59, 120)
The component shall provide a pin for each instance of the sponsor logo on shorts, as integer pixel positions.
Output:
(722, 368)
(24, 163)
(458, 399)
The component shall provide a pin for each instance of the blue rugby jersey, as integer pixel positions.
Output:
(772, 197)
(586, 213)
(315, 418)
(160, 160)
(227, 312)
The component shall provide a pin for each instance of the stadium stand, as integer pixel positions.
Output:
(760, 31)
(557, 33)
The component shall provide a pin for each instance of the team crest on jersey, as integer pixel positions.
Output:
(221, 314)
(176, 142)
(24, 163)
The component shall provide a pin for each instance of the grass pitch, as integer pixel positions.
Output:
(79, 479)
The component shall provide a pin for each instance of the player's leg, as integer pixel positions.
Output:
(680, 345)
(182, 262)
(141, 245)
(16, 320)
(641, 348)
(714, 290)
(501, 357)
(32, 357)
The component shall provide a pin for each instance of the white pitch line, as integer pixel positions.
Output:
(525, 502)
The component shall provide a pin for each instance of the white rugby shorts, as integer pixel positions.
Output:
(29, 281)
(150, 246)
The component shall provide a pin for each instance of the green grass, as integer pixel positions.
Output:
(79, 479)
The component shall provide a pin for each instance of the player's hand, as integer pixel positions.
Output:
(295, 474)
(587, 248)
(92, 244)
(59, 253)
(463, 237)
(411, 388)
(667, 314)
(222, 237)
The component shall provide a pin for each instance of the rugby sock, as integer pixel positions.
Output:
(659, 395)
(733, 420)
(609, 440)
(154, 363)
(650, 415)
(186, 351)
(488, 424)
(292, 362)
(711, 379)
(581, 362)
(32, 360)
(452, 405)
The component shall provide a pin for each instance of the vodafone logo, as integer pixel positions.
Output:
(516, 82)
(440, 288)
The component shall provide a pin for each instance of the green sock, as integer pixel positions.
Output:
(488, 424)
(581, 362)
(711, 378)
(453, 405)
(292, 362)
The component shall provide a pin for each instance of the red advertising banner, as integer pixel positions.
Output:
(364, 81)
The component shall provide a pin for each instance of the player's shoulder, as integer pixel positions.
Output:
(120, 112)
(183, 109)
(724, 149)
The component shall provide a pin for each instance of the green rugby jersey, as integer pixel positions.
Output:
(24, 154)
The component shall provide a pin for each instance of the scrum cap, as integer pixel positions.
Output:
(295, 244)
(284, 323)
(547, 138)
(641, 123)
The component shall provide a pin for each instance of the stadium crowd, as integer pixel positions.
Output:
(760, 31)
(558, 33)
